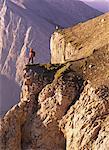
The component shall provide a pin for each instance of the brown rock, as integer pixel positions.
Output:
(79, 41)
(87, 122)
(43, 131)
(32, 125)
(57, 110)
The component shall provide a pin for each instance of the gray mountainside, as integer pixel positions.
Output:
(25, 23)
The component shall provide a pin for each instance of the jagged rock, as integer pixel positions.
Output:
(33, 122)
(25, 24)
(80, 41)
(51, 106)
(10, 130)
(86, 125)
(62, 106)
(58, 95)
(53, 100)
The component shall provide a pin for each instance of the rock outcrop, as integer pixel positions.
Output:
(86, 125)
(80, 41)
(62, 106)
(33, 122)
(30, 23)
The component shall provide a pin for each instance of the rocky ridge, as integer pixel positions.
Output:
(79, 41)
(33, 112)
(61, 107)
(30, 23)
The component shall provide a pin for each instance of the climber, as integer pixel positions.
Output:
(56, 27)
(31, 55)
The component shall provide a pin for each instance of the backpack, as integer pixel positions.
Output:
(33, 53)
(27, 52)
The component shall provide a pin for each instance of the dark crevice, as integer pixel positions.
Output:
(65, 145)
(81, 84)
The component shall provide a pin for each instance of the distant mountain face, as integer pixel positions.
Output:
(30, 23)
(101, 5)
(9, 93)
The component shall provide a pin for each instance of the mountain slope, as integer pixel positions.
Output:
(25, 23)
(101, 5)
(9, 94)
(61, 107)
(80, 41)
(32, 25)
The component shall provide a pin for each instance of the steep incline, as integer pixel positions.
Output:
(80, 41)
(30, 23)
(25, 23)
(61, 107)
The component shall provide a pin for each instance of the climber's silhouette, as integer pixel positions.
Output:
(31, 55)
(56, 27)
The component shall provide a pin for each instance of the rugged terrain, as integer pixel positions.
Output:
(79, 41)
(30, 23)
(65, 105)
(61, 107)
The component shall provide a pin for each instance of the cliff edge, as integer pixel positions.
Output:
(62, 106)
(79, 41)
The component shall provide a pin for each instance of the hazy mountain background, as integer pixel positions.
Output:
(30, 23)
(102, 5)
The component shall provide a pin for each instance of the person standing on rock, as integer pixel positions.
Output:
(31, 55)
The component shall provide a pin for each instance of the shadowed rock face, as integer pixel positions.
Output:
(86, 125)
(30, 24)
(61, 107)
(33, 122)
